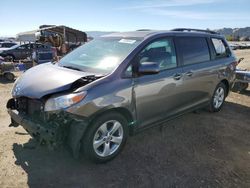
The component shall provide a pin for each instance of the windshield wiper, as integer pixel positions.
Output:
(73, 68)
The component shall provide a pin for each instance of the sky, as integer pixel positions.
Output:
(122, 15)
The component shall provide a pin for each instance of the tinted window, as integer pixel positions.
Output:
(39, 46)
(23, 47)
(162, 52)
(27, 46)
(194, 50)
(45, 47)
(219, 47)
(7, 45)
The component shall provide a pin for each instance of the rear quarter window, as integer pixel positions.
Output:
(219, 47)
(193, 50)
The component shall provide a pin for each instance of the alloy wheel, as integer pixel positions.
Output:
(218, 97)
(108, 138)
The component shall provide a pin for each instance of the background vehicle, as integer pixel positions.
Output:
(5, 70)
(242, 78)
(122, 83)
(19, 52)
(63, 38)
(7, 44)
(234, 46)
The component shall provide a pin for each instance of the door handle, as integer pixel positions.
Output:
(189, 73)
(177, 76)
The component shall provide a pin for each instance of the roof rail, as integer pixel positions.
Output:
(195, 30)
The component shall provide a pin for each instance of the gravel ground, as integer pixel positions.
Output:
(196, 150)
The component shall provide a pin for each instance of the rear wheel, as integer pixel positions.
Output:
(106, 137)
(218, 98)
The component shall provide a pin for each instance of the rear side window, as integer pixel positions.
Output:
(45, 47)
(23, 47)
(219, 48)
(7, 45)
(41, 46)
(193, 49)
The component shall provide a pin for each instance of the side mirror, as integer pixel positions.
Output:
(147, 68)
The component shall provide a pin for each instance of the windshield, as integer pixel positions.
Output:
(15, 46)
(101, 55)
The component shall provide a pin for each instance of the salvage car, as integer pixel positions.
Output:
(119, 84)
(7, 44)
(19, 52)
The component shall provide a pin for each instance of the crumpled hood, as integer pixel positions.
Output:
(45, 79)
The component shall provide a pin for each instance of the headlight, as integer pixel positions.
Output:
(64, 101)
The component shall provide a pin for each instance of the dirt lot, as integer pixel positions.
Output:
(197, 150)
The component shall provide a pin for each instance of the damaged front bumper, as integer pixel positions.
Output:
(53, 129)
(50, 135)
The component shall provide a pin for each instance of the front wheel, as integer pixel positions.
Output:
(9, 76)
(218, 98)
(106, 137)
(9, 58)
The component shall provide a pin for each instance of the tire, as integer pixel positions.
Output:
(239, 86)
(246, 85)
(9, 76)
(9, 58)
(100, 143)
(218, 97)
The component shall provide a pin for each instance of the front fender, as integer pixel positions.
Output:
(111, 95)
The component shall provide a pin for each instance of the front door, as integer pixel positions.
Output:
(157, 95)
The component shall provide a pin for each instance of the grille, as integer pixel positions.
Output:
(29, 106)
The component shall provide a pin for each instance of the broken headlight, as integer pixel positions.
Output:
(63, 101)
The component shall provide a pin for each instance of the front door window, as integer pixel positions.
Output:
(161, 52)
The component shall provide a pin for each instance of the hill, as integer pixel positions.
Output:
(235, 33)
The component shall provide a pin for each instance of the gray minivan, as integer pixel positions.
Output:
(119, 84)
